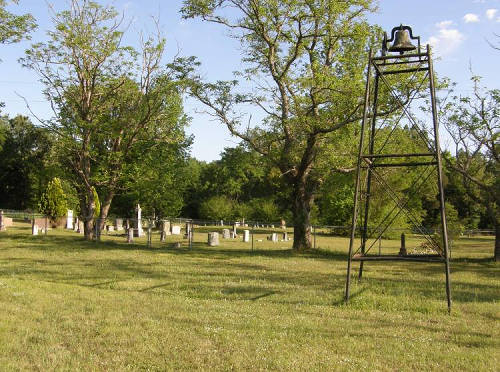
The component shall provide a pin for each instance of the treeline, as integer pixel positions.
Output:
(242, 184)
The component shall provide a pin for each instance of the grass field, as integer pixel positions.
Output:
(67, 304)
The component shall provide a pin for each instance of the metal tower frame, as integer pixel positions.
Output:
(404, 62)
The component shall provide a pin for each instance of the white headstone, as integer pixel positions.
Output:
(138, 222)
(69, 219)
(273, 237)
(176, 230)
(225, 233)
(34, 229)
(119, 224)
(246, 236)
(213, 239)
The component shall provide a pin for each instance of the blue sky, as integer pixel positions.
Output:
(457, 29)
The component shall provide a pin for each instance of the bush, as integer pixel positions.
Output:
(217, 208)
(53, 200)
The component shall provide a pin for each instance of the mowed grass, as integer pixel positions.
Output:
(67, 304)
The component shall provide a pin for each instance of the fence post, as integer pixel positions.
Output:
(46, 224)
(253, 227)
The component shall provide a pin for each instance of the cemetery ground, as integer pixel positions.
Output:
(67, 304)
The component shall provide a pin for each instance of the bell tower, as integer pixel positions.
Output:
(385, 105)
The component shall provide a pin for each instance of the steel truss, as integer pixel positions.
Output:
(371, 163)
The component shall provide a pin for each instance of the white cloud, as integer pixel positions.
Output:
(490, 13)
(444, 24)
(447, 39)
(471, 18)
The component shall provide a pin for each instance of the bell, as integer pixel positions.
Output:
(402, 42)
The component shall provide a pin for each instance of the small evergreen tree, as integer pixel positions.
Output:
(53, 200)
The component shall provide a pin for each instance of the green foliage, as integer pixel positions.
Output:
(97, 209)
(25, 166)
(53, 200)
(217, 208)
(264, 210)
(14, 28)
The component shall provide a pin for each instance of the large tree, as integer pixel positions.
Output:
(111, 102)
(474, 125)
(306, 60)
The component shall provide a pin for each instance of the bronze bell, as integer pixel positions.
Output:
(402, 42)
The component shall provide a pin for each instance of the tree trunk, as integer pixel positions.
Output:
(105, 206)
(87, 207)
(302, 221)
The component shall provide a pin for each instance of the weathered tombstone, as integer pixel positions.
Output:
(225, 234)
(222, 222)
(69, 219)
(75, 227)
(246, 236)
(176, 230)
(34, 228)
(138, 231)
(110, 228)
(2, 222)
(130, 235)
(285, 236)
(235, 234)
(213, 239)
(119, 224)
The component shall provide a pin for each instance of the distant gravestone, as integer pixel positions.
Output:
(138, 222)
(75, 228)
(176, 230)
(3, 227)
(222, 222)
(110, 228)
(273, 237)
(69, 219)
(130, 235)
(119, 224)
(235, 231)
(246, 236)
(283, 224)
(285, 236)
(81, 227)
(34, 228)
(213, 239)
(233, 235)
(225, 234)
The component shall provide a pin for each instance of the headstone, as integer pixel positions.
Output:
(235, 231)
(285, 236)
(138, 231)
(34, 228)
(233, 235)
(165, 230)
(246, 236)
(176, 230)
(81, 227)
(130, 235)
(283, 224)
(188, 230)
(75, 228)
(273, 237)
(213, 239)
(2, 222)
(225, 233)
(110, 228)
(69, 219)
(222, 222)
(119, 224)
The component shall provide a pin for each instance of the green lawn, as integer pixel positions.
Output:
(66, 304)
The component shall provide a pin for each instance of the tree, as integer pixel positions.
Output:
(53, 201)
(473, 123)
(217, 208)
(24, 169)
(111, 102)
(14, 28)
(306, 60)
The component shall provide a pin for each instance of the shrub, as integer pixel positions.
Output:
(53, 200)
